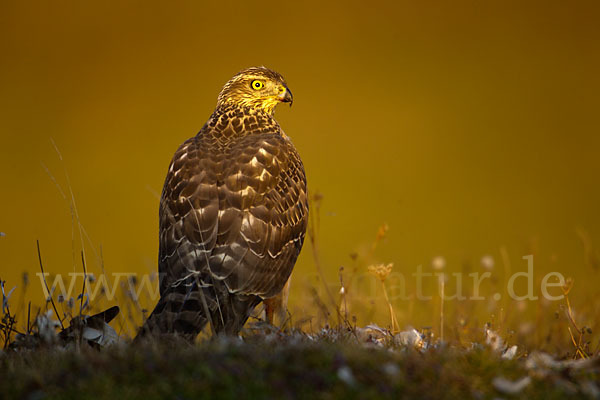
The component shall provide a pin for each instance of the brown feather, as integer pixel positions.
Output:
(233, 215)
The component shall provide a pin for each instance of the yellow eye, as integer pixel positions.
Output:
(257, 85)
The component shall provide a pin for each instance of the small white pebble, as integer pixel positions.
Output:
(509, 387)
(510, 353)
(345, 374)
(409, 338)
(391, 369)
(494, 340)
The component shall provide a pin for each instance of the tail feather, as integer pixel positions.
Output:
(185, 310)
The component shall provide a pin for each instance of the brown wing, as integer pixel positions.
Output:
(188, 213)
(263, 212)
(235, 214)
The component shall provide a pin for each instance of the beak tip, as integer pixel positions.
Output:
(287, 97)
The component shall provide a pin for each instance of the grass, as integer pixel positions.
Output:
(295, 365)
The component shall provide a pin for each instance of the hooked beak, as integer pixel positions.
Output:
(286, 96)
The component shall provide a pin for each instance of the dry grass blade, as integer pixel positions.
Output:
(566, 288)
(315, 205)
(46, 284)
(82, 295)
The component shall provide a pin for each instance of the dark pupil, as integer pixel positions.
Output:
(257, 84)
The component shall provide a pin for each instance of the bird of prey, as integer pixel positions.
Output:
(233, 213)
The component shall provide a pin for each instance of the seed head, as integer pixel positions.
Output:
(381, 271)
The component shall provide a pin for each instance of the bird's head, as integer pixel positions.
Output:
(256, 87)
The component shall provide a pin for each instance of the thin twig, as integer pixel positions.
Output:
(73, 204)
(314, 218)
(395, 325)
(442, 285)
(46, 284)
(28, 317)
(344, 293)
(569, 312)
(83, 287)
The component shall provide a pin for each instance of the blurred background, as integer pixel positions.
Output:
(446, 130)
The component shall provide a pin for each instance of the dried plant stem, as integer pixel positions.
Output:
(83, 287)
(312, 235)
(569, 312)
(442, 285)
(46, 284)
(343, 292)
(577, 345)
(317, 261)
(28, 317)
(395, 325)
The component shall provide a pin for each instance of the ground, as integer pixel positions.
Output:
(331, 364)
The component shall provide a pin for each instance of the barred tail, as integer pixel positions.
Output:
(185, 311)
(176, 313)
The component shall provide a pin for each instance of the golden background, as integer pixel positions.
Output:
(466, 126)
